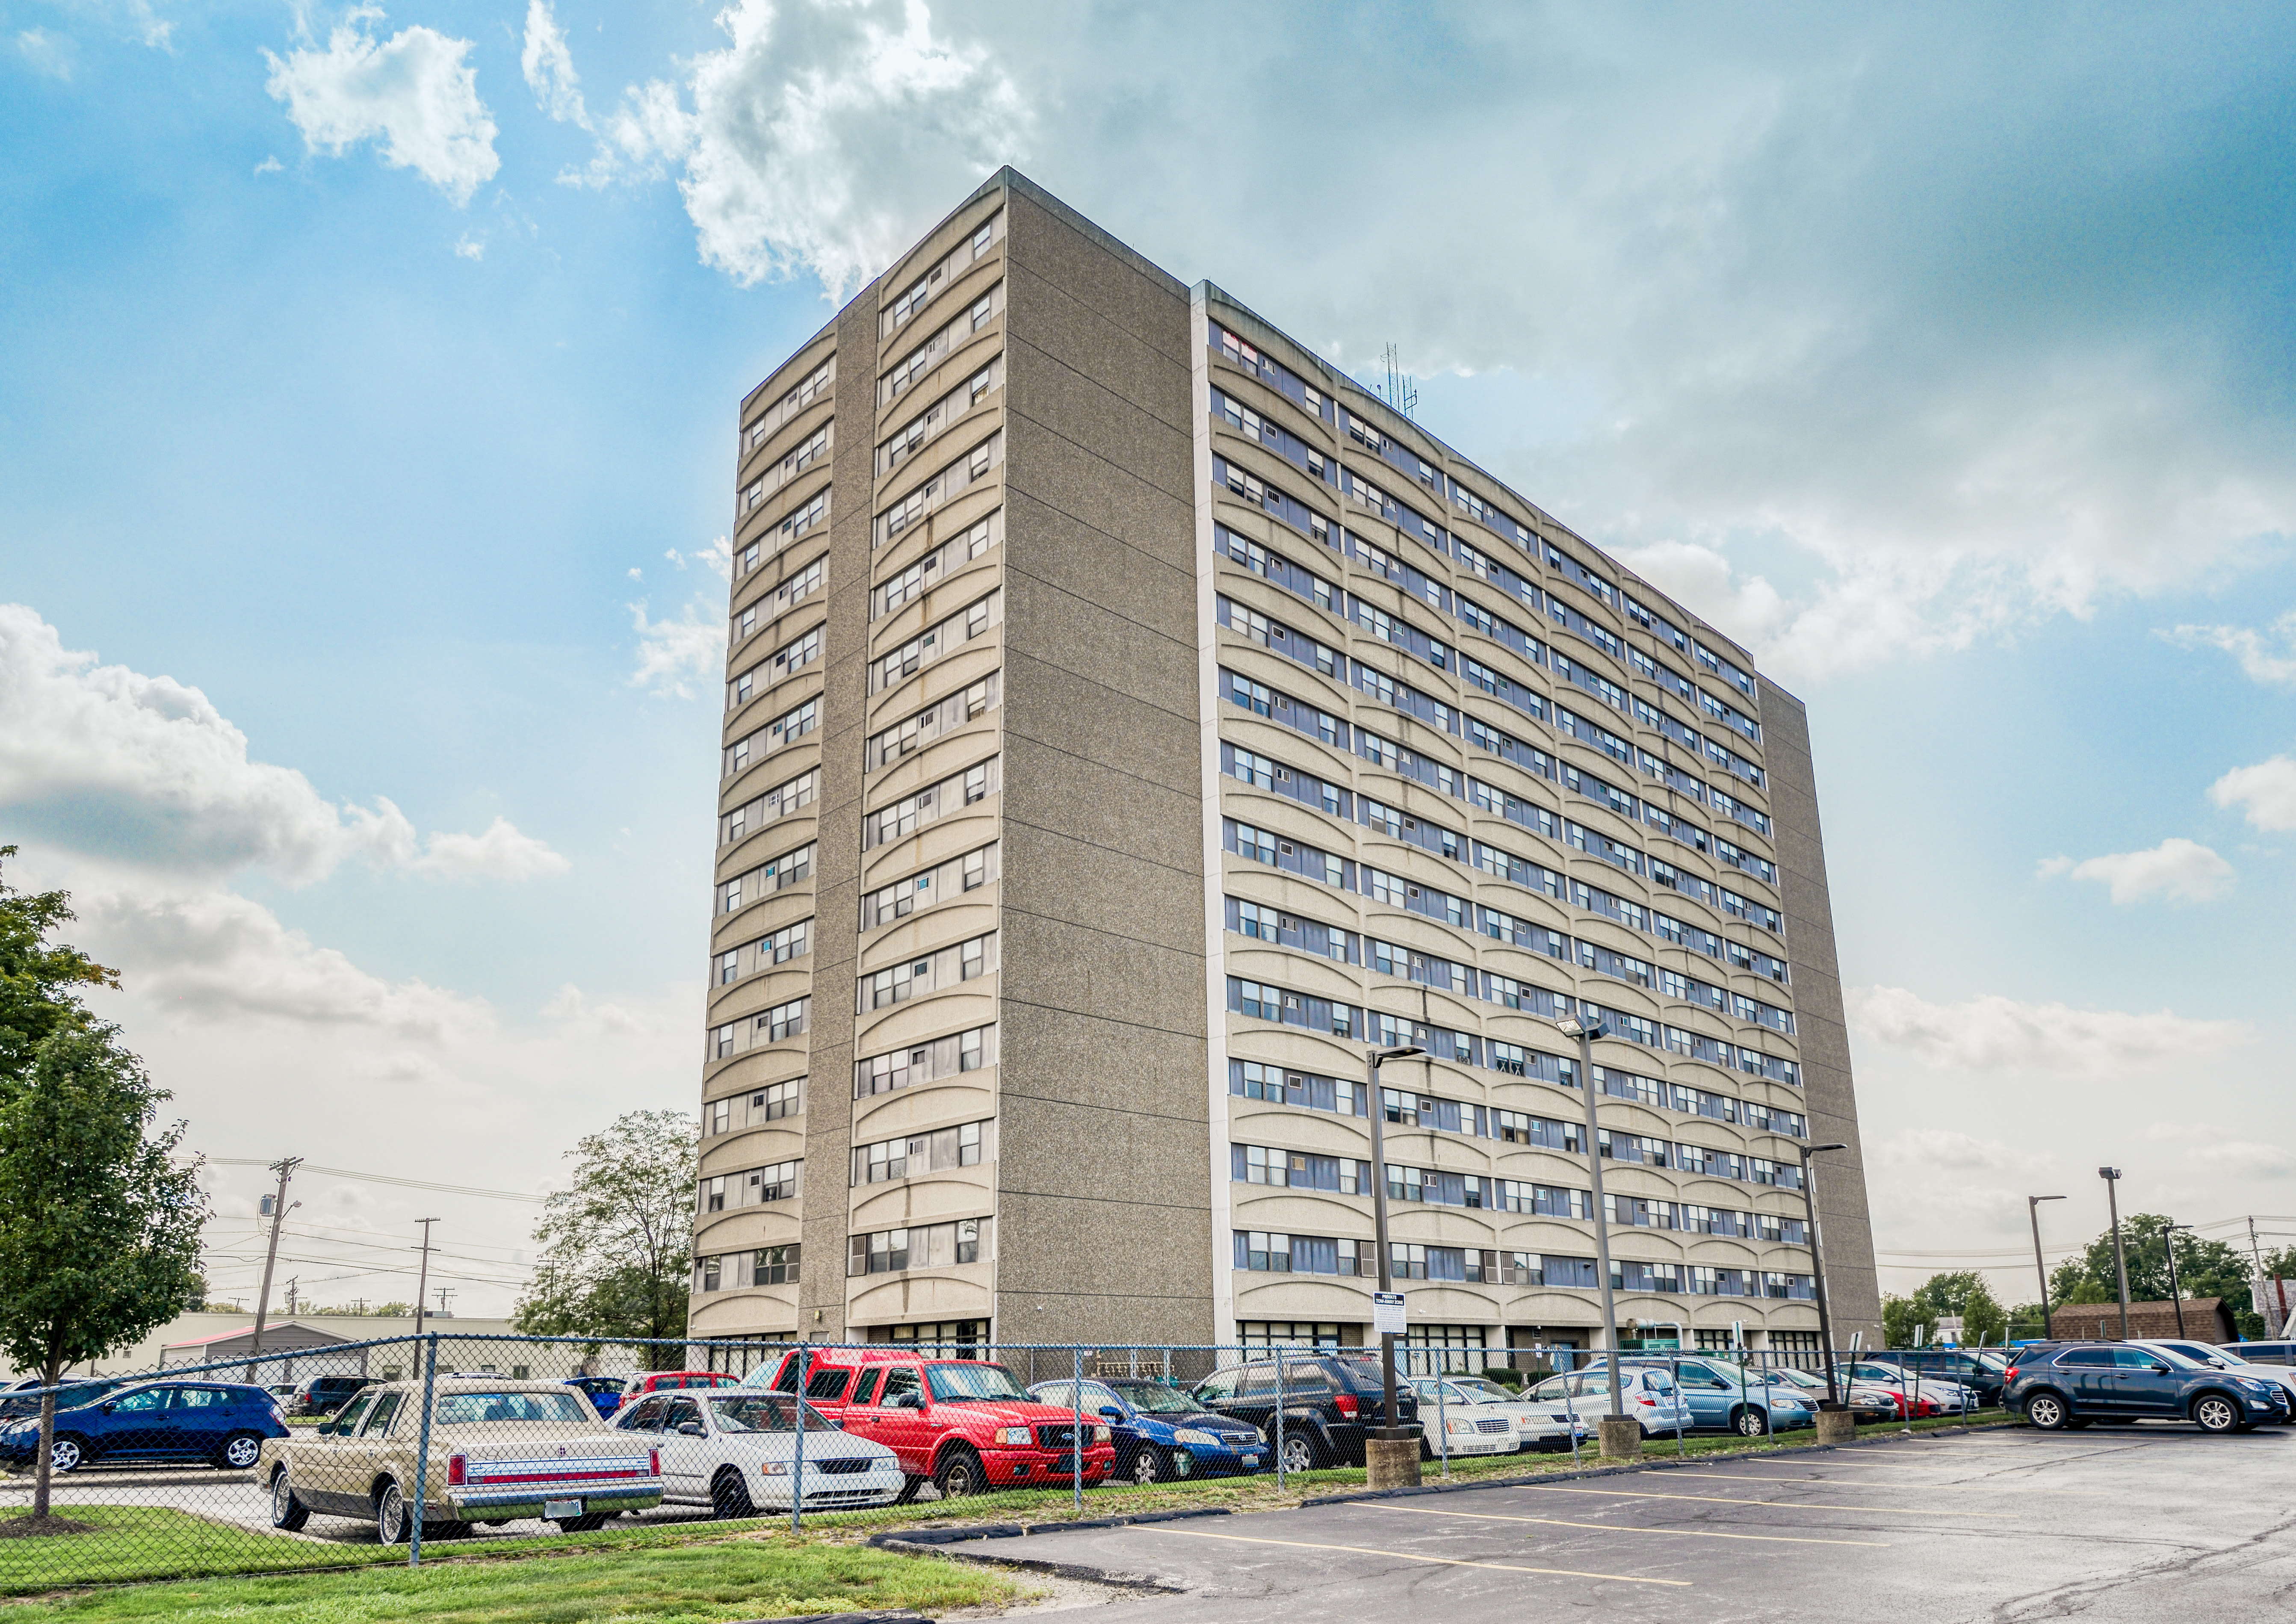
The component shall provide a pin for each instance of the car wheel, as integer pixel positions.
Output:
(391, 1523)
(67, 1454)
(1298, 1452)
(729, 1494)
(2048, 1412)
(287, 1511)
(2215, 1413)
(240, 1452)
(1148, 1465)
(1750, 1422)
(959, 1474)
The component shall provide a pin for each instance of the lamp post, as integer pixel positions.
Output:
(2033, 1212)
(1585, 1032)
(2176, 1293)
(1817, 1267)
(1389, 1429)
(2112, 1176)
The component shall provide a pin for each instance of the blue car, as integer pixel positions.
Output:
(605, 1392)
(1161, 1433)
(222, 1423)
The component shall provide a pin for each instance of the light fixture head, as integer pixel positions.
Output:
(2045, 1198)
(1815, 1149)
(2108, 1172)
(1380, 1057)
(1569, 1026)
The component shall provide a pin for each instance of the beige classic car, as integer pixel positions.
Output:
(499, 1451)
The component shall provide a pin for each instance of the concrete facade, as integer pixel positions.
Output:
(1130, 719)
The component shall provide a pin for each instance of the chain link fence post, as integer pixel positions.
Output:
(801, 1358)
(1076, 1433)
(1442, 1421)
(1281, 1464)
(429, 1357)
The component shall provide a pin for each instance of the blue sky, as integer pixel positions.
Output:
(351, 363)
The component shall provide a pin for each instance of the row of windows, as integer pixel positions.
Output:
(936, 419)
(918, 892)
(913, 734)
(792, 942)
(925, 1063)
(913, 978)
(731, 1271)
(927, 1246)
(966, 1145)
(786, 660)
(1259, 1252)
(776, 804)
(766, 878)
(812, 450)
(1253, 1079)
(787, 1020)
(920, 577)
(932, 803)
(952, 481)
(929, 354)
(754, 1109)
(794, 588)
(777, 1183)
(922, 292)
(802, 395)
(783, 731)
(805, 516)
(1260, 1164)
(943, 637)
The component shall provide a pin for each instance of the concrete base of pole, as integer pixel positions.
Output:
(1836, 1426)
(1621, 1437)
(1391, 1463)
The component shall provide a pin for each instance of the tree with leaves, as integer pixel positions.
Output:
(99, 1225)
(617, 1247)
(2204, 1268)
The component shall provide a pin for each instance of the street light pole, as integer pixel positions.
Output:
(1391, 1427)
(1586, 1033)
(2112, 1176)
(1817, 1267)
(2033, 1212)
(2176, 1293)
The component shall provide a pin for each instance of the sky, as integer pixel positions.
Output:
(367, 393)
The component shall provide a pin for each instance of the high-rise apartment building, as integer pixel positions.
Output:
(1130, 719)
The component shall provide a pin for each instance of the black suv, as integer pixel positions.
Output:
(324, 1395)
(1329, 1401)
(2071, 1384)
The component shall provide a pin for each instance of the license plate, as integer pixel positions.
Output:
(555, 1509)
(1251, 1460)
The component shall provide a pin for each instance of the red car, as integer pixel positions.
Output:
(655, 1380)
(965, 1425)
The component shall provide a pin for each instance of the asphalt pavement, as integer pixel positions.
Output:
(2134, 1523)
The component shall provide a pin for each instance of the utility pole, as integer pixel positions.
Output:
(285, 1168)
(422, 1280)
(444, 1293)
(291, 1282)
(2175, 1291)
(2033, 1212)
(1585, 1032)
(2112, 1176)
(2264, 1284)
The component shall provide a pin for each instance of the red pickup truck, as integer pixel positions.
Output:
(963, 1424)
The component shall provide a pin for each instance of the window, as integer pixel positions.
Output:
(930, 1246)
(920, 891)
(967, 1051)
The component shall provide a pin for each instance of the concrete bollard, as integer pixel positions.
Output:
(1836, 1426)
(1391, 1463)
(1621, 1437)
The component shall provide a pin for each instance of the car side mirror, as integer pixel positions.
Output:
(692, 1429)
(109, 1407)
(1111, 1412)
(2160, 1370)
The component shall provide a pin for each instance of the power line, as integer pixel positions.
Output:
(385, 1178)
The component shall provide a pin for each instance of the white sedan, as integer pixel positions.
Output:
(1648, 1393)
(736, 1452)
(1463, 1410)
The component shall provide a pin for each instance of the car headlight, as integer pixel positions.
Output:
(1012, 1435)
(1196, 1435)
(774, 1469)
(1459, 1424)
(2253, 1385)
(1101, 1435)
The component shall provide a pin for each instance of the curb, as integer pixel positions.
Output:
(900, 1616)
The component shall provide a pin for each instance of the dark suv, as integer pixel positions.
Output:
(1329, 1402)
(2071, 1384)
(1980, 1372)
(324, 1395)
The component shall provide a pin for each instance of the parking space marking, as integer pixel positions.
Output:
(1723, 1499)
(1732, 1477)
(1627, 1528)
(1444, 1561)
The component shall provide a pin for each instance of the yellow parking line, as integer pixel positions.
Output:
(1444, 1561)
(1724, 1499)
(1625, 1527)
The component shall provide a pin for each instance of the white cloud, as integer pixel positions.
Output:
(671, 652)
(549, 67)
(2266, 793)
(2179, 869)
(47, 54)
(468, 247)
(2266, 657)
(269, 166)
(2239, 1158)
(822, 137)
(415, 91)
(1991, 1033)
(106, 760)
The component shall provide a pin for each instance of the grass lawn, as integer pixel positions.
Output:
(759, 1576)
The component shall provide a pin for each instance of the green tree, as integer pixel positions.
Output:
(1982, 1318)
(616, 1248)
(39, 979)
(99, 1227)
(1900, 1317)
(2204, 1268)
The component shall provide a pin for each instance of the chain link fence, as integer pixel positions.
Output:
(411, 1449)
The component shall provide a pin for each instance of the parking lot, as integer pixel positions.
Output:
(2137, 1524)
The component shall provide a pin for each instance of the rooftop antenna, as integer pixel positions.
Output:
(1401, 393)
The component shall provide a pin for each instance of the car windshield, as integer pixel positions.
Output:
(2199, 1354)
(471, 1410)
(1796, 1378)
(766, 1413)
(2183, 1361)
(975, 1384)
(1155, 1398)
(1476, 1390)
